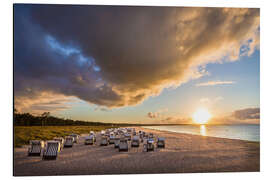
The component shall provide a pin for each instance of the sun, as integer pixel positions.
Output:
(201, 116)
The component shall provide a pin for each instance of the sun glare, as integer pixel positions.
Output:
(201, 116)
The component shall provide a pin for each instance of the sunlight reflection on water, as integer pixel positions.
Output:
(203, 130)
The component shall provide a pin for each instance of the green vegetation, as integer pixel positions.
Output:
(45, 127)
(45, 119)
(22, 134)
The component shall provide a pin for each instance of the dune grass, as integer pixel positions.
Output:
(22, 134)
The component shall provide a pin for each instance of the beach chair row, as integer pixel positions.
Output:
(121, 136)
(50, 149)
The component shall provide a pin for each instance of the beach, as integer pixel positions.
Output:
(184, 153)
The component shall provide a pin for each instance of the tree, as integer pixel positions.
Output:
(45, 116)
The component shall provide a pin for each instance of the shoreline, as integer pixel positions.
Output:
(184, 153)
(167, 131)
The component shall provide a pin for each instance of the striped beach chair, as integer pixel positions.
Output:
(60, 140)
(76, 137)
(69, 141)
(52, 149)
(35, 148)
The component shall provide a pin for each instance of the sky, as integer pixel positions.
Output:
(137, 64)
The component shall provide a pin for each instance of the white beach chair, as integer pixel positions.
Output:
(135, 142)
(89, 140)
(36, 147)
(104, 141)
(161, 142)
(69, 140)
(116, 142)
(51, 150)
(111, 138)
(123, 145)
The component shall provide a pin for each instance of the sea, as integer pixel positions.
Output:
(242, 132)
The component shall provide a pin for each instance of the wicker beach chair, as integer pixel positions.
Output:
(116, 142)
(135, 142)
(52, 149)
(161, 142)
(36, 147)
(61, 141)
(150, 145)
(123, 145)
(69, 140)
(76, 137)
(89, 140)
(104, 141)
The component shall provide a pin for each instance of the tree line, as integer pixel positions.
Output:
(46, 119)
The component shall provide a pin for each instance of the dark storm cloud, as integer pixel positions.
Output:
(119, 56)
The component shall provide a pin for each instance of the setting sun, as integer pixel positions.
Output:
(201, 116)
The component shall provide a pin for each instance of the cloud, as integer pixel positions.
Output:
(102, 109)
(152, 115)
(248, 113)
(240, 116)
(116, 56)
(206, 100)
(176, 120)
(157, 114)
(214, 83)
(42, 102)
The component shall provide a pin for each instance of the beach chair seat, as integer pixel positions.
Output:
(52, 149)
(36, 147)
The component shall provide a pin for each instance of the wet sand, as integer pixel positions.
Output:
(184, 153)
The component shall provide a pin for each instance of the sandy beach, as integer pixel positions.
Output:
(184, 153)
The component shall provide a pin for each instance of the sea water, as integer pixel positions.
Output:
(243, 132)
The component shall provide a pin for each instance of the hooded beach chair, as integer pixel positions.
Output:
(76, 137)
(104, 141)
(135, 142)
(89, 140)
(111, 138)
(60, 140)
(116, 142)
(161, 142)
(69, 140)
(36, 147)
(51, 150)
(123, 145)
(150, 145)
